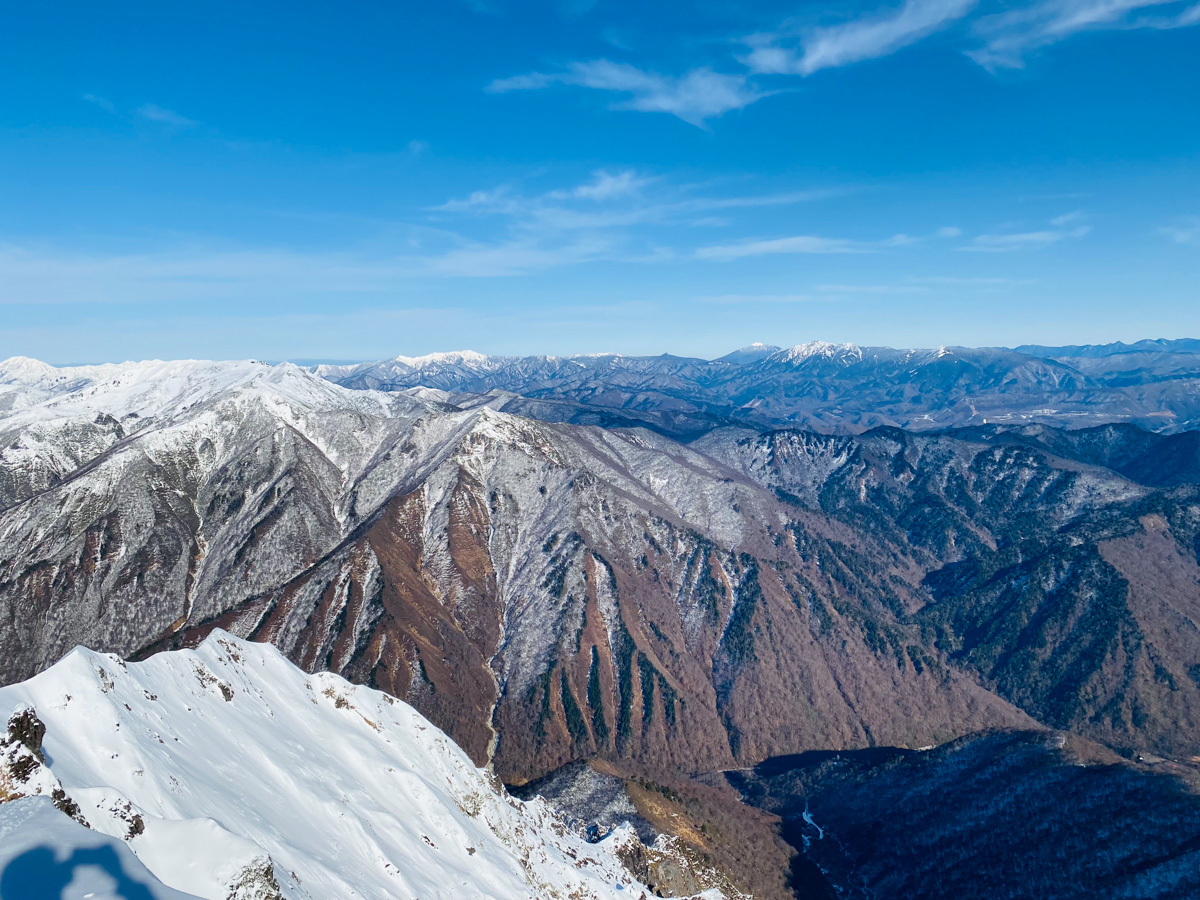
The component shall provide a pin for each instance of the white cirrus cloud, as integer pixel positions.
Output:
(1062, 228)
(154, 113)
(43, 276)
(995, 40)
(1008, 37)
(617, 199)
(804, 243)
(104, 103)
(790, 53)
(604, 186)
(694, 97)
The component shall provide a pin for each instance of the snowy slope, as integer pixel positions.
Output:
(228, 771)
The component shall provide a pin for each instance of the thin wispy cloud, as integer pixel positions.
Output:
(813, 244)
(1009, 37)
(1001, 39)
(868, 289)
(1186, 232)
(997, 243)
(694, 97)
(605, 186)
(804, 243)
(993, 39)
(816, 294)
(958, 281)
(1063, 228)
(614, 215)
(738, 299)
(151, 112)
(1068, 218)
(827, 293)
(510, 258)
(615, 38)
(870, 37)
(615, 199)
(497, 199)
(40, 276)
(107, 105)
(154, 113)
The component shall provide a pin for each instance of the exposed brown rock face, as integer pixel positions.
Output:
(543, 593)
(659, 646)
(1070, 591)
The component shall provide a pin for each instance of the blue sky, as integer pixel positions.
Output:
(354, 181)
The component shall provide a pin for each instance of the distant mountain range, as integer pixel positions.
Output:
(1184, 345)
(837, 388)
(654, 604)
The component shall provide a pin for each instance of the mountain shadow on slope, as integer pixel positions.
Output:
(996, 816)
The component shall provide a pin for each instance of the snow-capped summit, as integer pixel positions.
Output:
(819, 350)
(451, 357)
(229, 772)
(23, 370)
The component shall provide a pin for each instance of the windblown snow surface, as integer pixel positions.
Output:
(230, 773)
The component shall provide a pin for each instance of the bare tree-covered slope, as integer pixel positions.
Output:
(543, 592)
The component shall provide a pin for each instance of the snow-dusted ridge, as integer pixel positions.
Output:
(230, 773)
(819, 350)
(156, 388)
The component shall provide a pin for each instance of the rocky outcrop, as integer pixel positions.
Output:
(23, 769)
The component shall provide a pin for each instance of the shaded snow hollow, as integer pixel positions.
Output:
(230, 773)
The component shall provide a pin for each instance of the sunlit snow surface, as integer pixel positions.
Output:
(230, 755)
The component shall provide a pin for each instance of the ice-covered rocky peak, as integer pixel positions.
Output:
(229, 772)
(818, 350)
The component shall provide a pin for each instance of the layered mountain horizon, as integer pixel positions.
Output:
(615, 581)
(834, 388)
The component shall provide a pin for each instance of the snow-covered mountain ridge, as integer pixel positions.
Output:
(230, 773)
(842, 388)
(832, 387)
